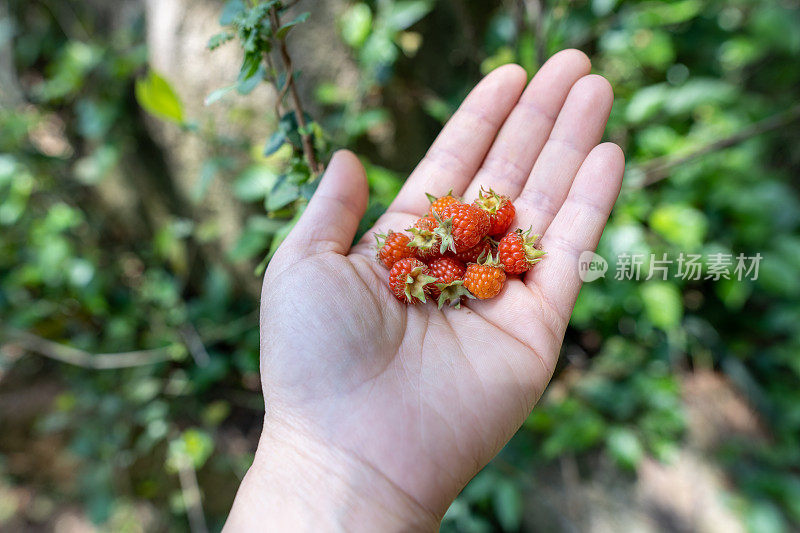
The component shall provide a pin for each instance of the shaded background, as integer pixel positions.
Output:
(135, 221)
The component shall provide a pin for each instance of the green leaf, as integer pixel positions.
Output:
(68, 73)
(662, 304)
(91, 169)
(247, 85)
(356, 24)
(285, 28)
(778, 277)
(8, 168)
(665, 13)
(646, 102)
(739, 52)
(282, 194)
(262, 266)
(216, 412)
(503, 56)
(219, 39)
(274, 142)
(265, 225)
(61, 217)
(250, 66)
(764, 517)
(207, 172)
(95, 118)
(383, 183)
(508, 505)
(697, 92)
(156, 96)
(15, 202)
(680, 224)
(328, 93)
(378, 50)
(362, 122)
(404, 14)
(437, 108)
(308, 189)
(254, 183)
(373, 212)
(602, 8)
(219, 93)
(194, 445)
(256, 237)
(625, 448)
(678, 101)
(249, 244)
(230, 11)
(733, 293)
(654, 48)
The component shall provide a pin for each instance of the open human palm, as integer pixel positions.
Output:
(415, 398)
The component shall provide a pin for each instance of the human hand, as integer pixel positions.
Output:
(379, 412)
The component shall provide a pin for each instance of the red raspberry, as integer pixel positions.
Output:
(484, 280)
(443, 201)
(517, 253)
(425, 242)
(483, 248)
(461, 226)
(393, 247)
(499, 208)
(449, 285)
(410, 281)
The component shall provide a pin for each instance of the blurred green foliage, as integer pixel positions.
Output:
(98, 277)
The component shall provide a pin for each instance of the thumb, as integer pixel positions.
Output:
(331, 219)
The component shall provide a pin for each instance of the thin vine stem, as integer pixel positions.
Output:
(659, 168)
(290, 90)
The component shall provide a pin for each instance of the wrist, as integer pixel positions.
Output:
(299, 483)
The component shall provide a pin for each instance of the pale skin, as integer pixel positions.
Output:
(378, 413)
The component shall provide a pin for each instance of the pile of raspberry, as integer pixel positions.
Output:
(451, 252)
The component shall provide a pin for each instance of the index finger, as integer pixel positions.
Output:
(460, 148)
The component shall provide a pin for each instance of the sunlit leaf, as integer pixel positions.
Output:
(405, 13)
(662, 304)
(254, 183)
(680, 224)
(625, 448)
(355, 24)
(156, 96)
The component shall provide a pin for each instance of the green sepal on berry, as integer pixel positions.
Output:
(518, 252)
(532, 254)
(490, 201)
(432, 198)
(483, 255)
(392, 247)
(423, 239)
(490, 260)
(451, 293)
(416, 283)
(380, 240)
(499, 208)
(445, 233)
